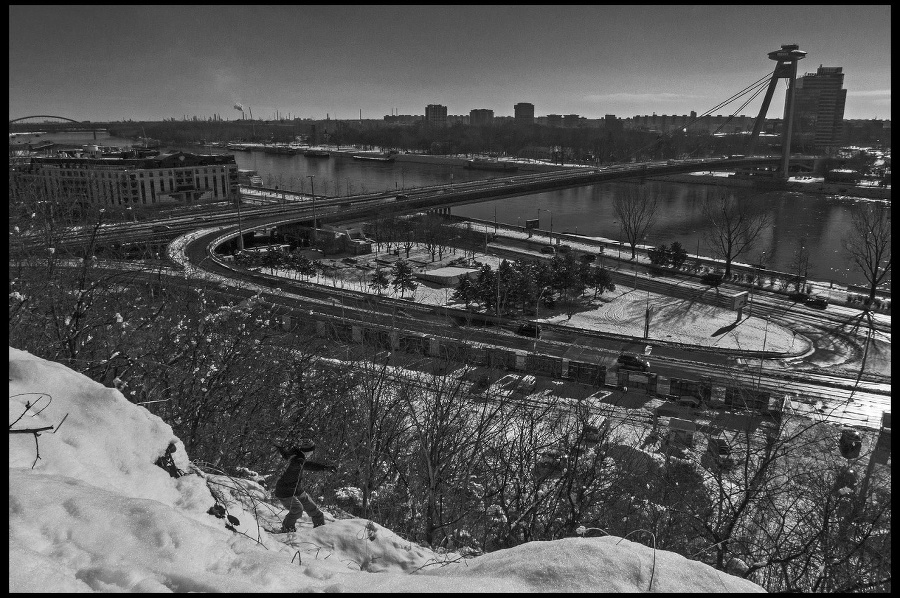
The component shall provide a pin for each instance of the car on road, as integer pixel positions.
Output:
(161, 228)
(817, 301)
(529, 329)
(713, 279)
(633, 362)
(563, 248)
(548, 249)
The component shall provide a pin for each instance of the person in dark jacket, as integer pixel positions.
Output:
(289, 490)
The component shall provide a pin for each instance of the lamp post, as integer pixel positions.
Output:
(240, 226)
(759, 373)
(312, 192)
(551, 221)
(537, 311)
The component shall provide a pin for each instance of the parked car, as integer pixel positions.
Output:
(633, 362)
(588, 258)
(548, 249)
(798, 297)
(689, 401)
(529, 329)
(817, 301)
(720, 451)
(713, 279)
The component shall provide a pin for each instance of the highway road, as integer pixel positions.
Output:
(193, 249)
(842, 399)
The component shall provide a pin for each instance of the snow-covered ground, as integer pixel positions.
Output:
(619, 312)
(89, 511)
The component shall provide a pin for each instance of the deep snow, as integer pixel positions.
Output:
(95, 514)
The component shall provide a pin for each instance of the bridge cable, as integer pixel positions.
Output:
(758, 84)
(754, 87)
(758, 91)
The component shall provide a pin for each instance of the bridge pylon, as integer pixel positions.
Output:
(786, 68)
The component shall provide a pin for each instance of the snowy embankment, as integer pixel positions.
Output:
(90, 511)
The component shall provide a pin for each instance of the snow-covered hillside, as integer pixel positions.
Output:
(94, 513)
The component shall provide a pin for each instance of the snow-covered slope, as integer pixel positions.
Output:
(94, 513)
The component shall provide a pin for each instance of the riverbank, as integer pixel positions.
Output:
(815, 186)
(523, 165)
(616, 252)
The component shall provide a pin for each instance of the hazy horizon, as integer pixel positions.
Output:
(112, 63)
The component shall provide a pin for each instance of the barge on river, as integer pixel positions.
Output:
(483, 164)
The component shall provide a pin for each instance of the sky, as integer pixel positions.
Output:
(105, 63)
(94, 514)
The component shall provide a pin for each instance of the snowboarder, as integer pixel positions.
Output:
(167, 462)
(289, 490)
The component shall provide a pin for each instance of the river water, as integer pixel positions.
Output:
(823, 221)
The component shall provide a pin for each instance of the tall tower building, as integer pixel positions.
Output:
(819, 107)
(480, 117)
(524, 112)
(436, 115)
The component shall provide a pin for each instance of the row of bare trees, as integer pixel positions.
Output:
(736, 223)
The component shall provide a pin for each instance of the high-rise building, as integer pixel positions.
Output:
(436, 115)
(819, 101)
(481, 117)
(524, 112)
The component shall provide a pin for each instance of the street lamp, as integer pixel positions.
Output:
(240, 226)
(312, 192)
(551, 221)
(537, 311)
(759, 374)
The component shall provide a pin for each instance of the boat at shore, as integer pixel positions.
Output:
(238, 147)
(374, 157)
(316, 153)
(484, 164)
(281, 149)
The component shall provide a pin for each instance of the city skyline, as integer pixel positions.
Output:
(155, 62)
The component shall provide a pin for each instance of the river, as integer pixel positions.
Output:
(823, 221)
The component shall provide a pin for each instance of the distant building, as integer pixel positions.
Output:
(615, 124)
(867, 132)
(436, 115)
(480, 117)
(667, 123)
(819, 101)
(554, 120)
(571, 120)
(403, 119)
(524, 113)
(179, 178)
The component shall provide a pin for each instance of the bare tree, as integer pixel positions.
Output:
(800, 263)
(869, 243)
(636, 210)
(736, 223)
